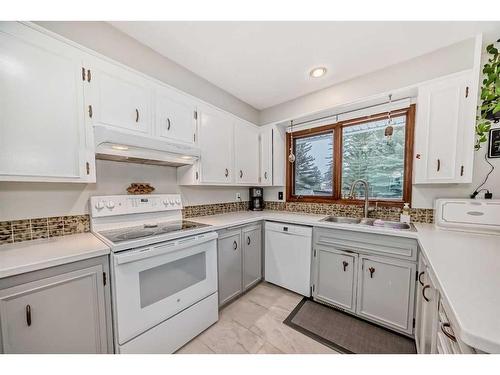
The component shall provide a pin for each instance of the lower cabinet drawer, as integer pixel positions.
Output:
(386, 292)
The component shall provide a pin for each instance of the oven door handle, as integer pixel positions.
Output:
(157, 250)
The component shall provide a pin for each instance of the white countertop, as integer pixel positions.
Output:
(246, 217)
(30, 256)
(467, 269)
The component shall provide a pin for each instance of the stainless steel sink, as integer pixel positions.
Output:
(342, 220)
(368, 222)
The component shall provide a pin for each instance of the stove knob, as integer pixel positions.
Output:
(110, 205)
(165, 202)
(99, 205)
(178, 202)
(172, 202)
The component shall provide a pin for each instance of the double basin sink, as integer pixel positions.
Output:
(375, 223)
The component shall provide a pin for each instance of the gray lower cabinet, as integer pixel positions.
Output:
(64, 309)
(386, 292)
(336, 277)
(239, 259)
(229, 263)
(252, 255)
(369, 275)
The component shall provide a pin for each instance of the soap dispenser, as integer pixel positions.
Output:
(405, 215)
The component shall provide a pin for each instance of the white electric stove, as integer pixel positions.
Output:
(164, 271)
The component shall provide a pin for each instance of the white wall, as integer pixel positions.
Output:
(111, 42)
(438, 63)
(21, 200)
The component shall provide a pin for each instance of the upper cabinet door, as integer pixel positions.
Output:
(42, 123)
(266, 157)
(118, 97)
(175, 116)
(216, 130)
(246, 145)
(444, 139)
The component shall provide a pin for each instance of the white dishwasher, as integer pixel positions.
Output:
(288, 256)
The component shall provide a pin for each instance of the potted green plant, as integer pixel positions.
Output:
(489, 110)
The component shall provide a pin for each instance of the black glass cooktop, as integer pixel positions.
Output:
(149, 230)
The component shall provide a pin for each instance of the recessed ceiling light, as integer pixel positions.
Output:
(318, 72)
(119, 147)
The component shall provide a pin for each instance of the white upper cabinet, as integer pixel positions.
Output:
(444, 132)
(118, 97)
(216, 132)
(266, 156)
(175, 116)
(246, 153)
(43, 135)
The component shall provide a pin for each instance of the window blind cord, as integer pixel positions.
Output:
(478, 189)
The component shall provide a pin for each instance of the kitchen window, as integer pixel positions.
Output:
(328, 159)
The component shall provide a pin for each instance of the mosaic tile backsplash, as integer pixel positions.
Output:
(32, 229)
(417, 215)
(213, 209)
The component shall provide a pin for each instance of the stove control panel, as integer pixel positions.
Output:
(111, 205)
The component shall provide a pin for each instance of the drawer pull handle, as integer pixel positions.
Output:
(248, 241)
(423, 293)
(372, 271)
(345, 264)
(235, 245)
(136, 115)
(28, 315)
(420, 278)
(451, 336)
(168, 124)
(438, 165)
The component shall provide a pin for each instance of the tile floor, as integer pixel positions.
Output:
(254, 324)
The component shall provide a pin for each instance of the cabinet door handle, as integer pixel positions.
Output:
(235, 245)
(226, 173)
(136, 115)
(28, 315)
(241, 173)
(462, 170)
(438, 165)
(248, 241)
(168, 123)
(420, 278)
(345, 264)
(451, 336)
(372, 271)
(423, 293)
(265, 175)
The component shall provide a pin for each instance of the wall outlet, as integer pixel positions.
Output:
(238, 196)
(280, 195)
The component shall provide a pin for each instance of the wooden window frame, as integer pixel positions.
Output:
(337, 160)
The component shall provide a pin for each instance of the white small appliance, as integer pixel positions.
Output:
(288, 256)
(164, 271)
(472, 215)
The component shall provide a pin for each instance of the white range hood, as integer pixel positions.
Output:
(119, 146)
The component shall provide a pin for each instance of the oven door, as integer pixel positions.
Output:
(154, 283)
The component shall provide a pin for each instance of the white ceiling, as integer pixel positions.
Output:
(268, 63)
